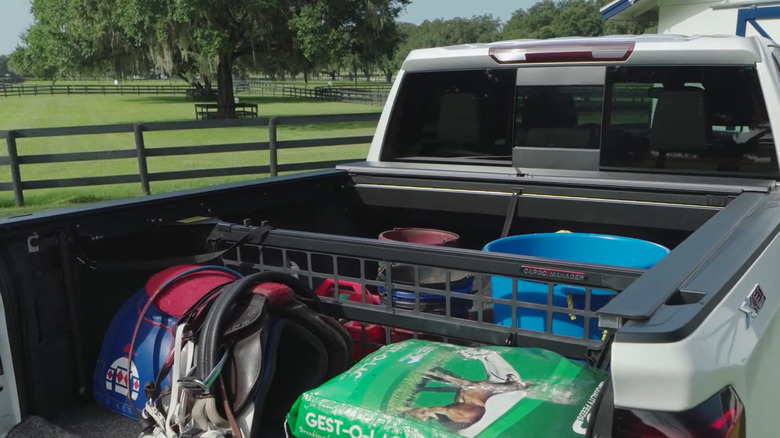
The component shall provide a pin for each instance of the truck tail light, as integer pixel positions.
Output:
(562, 51)
(722, 416)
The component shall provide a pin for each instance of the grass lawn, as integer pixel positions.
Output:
(54, 111)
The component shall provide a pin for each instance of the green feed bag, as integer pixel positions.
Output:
(426, 389)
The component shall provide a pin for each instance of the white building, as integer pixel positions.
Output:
(693, 17)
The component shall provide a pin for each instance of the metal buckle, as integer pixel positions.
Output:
(203, 387)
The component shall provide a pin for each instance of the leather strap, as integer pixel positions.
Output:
(510, 212)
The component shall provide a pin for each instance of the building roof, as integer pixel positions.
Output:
(616, 7)
(629, 9)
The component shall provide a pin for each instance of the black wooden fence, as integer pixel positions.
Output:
(15, 160)
(10, 90)
(367, 93)
(370, 94)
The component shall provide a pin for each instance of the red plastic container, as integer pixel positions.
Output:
(374, 334)
(424, 236)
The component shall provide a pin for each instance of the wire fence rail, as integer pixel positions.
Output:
(15, 160)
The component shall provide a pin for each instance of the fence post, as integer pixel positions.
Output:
(140, 151)
(272, 158)
(13, 163)
(5, 92)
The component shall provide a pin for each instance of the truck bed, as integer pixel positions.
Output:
(85, 420)
(78, 270)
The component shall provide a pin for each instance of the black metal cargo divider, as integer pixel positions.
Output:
(316, 257)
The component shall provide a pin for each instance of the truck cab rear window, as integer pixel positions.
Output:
(456, 114)
(697, 120)
(708, 120)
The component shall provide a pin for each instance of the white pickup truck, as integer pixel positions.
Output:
(662, 138)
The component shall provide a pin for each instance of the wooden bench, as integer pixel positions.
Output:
(208, 111)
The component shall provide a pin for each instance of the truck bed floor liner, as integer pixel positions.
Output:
(87, 421)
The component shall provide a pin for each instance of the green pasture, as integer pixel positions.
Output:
(74, 110)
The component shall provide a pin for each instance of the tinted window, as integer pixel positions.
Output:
(452, 114)
(559, 116)
(688, 120)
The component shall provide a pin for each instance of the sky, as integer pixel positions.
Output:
(15, 14)
(421, 10)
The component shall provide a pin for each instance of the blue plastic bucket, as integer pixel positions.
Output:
(403, 276)
(575, 247)
(403, 294)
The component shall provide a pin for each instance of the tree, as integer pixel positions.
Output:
(375, 36)
(536, 22)
(216, 36)
(326, 46)
(632, 27)
(648, 23)
(437, 33)
(407, 34)
(70, 37)
(42, 55)
(204, 38)
(360, 34)
(45, 51)
(477, 29)
(578, 18)
(4, 65)
(549, 19)
(186, 37)
(95, 28)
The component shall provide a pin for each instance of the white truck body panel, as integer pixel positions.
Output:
(384, 120)
(649, 50)
(726, 350)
